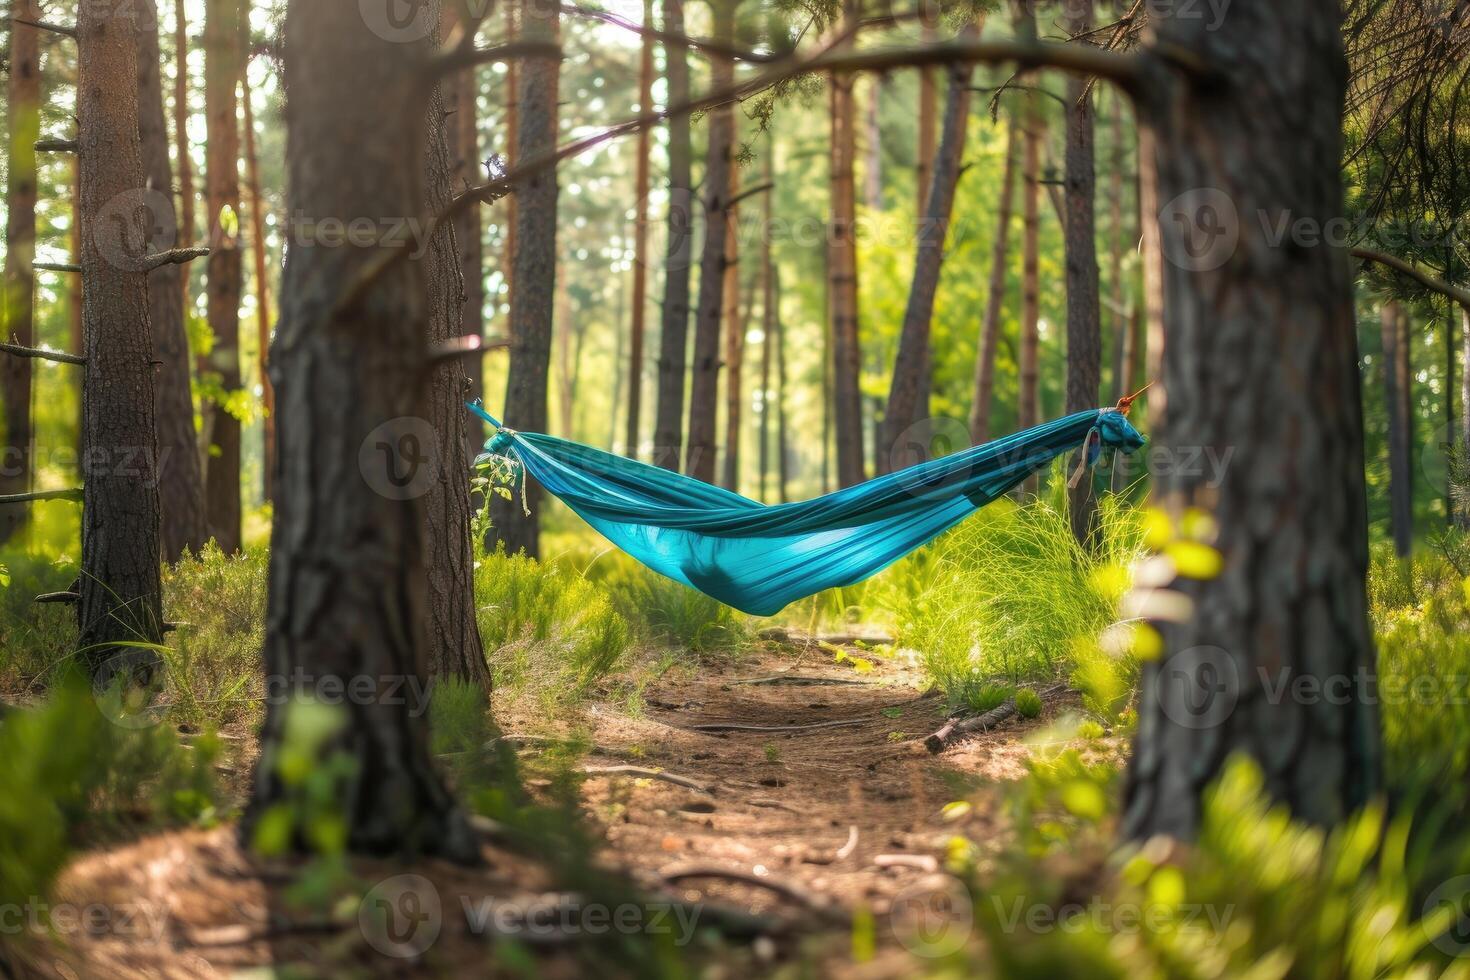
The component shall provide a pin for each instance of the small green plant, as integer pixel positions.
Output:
(772, 752)
(981, 697)
(1090, 730)
(1028, 703)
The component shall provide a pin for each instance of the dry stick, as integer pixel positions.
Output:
(1126, 71)
(56, 146)
(800, 680)
(739, 727)
(923, 862)
(74, 493)
(788, 889)
(44, 355)
(645, 773)
(174, 256)
(852, 841)
(956, 727)
(55, 267)
(42, 25)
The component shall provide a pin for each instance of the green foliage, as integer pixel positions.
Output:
(1028, 703)
(981, 696)
(664, 610)
(69, 774)
(1014, 591)
(1259, 895)
(545, 625)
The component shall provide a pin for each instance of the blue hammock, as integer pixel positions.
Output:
(759, 558)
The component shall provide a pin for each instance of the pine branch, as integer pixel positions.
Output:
(174, 256)
(21, 498)
(42, 25)
(1425, 279)
(44, 355)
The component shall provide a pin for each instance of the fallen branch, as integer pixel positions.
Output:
(642, 772)
(44, 355)
(922, 862)
(787, 889)
(799, 680)
(958, 727)
(780, 634)
(741, 727)
(75, 493)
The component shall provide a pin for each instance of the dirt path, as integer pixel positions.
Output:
(806, 811)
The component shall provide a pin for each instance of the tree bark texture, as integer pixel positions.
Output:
(1395, 374)
(120, 580)
(1289, 600)
(980, 405)
(640, 243)
(224, 27)
(734, 350)
(907, 394)
(258, 254)
(348, 600)
(181, 484)
(668, 428)
(1028, 409)
(23, 92)
(704, 382)
(533, 276)
(847, 406)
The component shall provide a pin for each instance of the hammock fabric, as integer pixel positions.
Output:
(759, 558)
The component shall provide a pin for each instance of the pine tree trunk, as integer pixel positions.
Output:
(640, 243)
(847, 405)
(768, 322)
(17, 305)
(907, 395)
(1452, 419)
(1028, 410)
(187, 227)
(734, 351)
(873, 138)
(262, 290)
(223, 37)
(990, 331)
(1401, 504)
(454, 647)
(1289, 601)
(120, 581)
(533, 275)
(928, 109)
(704, 383)
(348, 602)
(1122, 333)
(512, 141)
(668, 429)
(783, 476)
(1084, 319)
(181, 484)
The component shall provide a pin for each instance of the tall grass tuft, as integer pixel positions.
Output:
(1012, 592)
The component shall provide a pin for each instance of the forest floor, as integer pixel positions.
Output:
(808, 830)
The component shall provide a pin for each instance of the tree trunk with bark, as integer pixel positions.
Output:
(1084, 318)
(120, 580)
(1289, 600)
(640, 242)
(533, 276)
(454, 647)
(734, 349)
(783, 477)
(668, 429)
(928, 111)
(1122, 322)
(1028, 409)
(704, 384)
(847, 405)
(23, 92)
(1400, 491)
(348, 602)
(181, 135)
(262, 289)
(994, 300)
(907, 394)
(767, 287)
(181, 484)
(224, 25)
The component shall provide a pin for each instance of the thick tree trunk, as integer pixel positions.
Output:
(224, 64)
(994, 300)
(461, 108)
(1288, 606)
(1401, 502)
(1084, 319)
(704, 384)
(1122, 332)
(454, 647)
(262, 289)
(668, 428)
(120, 581)
(767, 288)
(734, 350)
(847, 405)
(533, 276)
(348, 603)
(512, 142)
(640, 243)
(907, 394)
(181, 484)
(23, 92)
(873, 140)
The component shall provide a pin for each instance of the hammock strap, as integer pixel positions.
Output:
(1084, 458)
